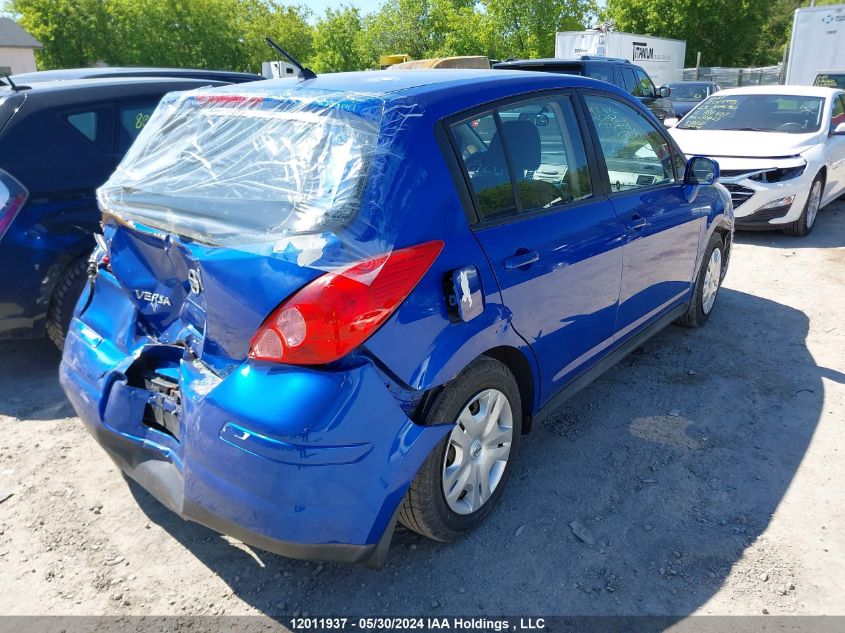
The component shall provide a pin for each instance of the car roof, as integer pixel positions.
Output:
(78, 85)
(419, 81)
(791, 91)
(553, 61)
(66, 74)
(427, 86)
(80, 92)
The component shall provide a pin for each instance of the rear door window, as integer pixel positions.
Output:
(536, 148)
(483, 154)
(546, 153)
(629, 82)
(131, 119)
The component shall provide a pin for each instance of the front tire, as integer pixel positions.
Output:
(464, 476)
(707, 284)
(807, 220)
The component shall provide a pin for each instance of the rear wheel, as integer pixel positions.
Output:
(464, 476)
(68, 288)
(707, 284)
(805, 223)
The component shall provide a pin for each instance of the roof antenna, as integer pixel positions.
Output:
(11, 83)
(304, 73)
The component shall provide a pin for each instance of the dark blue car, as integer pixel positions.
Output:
(320, 307)
(59, 141)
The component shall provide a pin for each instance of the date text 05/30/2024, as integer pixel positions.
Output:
(414, 623)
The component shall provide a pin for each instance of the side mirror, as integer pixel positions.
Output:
(671, 121)
(701, 171)
(664, 91)
(839, 129)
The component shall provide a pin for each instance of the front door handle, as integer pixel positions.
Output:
(636, 222)
(521, 259)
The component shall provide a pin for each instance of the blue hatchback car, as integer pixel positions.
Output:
(321, 307)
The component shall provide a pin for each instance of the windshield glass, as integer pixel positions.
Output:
(220, 167)
(689, 92)
(791, 114)
(830, 80)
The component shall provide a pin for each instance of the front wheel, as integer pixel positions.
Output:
(464, 476)
(707, 284)
(807, 220)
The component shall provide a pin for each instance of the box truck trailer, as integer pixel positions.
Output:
(662, 58)
(818, 44)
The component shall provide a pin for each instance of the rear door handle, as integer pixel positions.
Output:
(636, 222)
(521, 259)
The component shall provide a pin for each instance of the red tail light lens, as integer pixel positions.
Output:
(337, 312)
(13, 195)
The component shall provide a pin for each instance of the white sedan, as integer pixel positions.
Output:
(780, 149)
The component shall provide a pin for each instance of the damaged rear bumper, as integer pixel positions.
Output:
(303, 463)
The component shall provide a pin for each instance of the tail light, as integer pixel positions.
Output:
(13, 195)
(337, 312)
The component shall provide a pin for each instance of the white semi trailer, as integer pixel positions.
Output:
(662, 58)
(817, 45)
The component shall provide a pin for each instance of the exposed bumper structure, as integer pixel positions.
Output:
(319, 480)
(761, 205)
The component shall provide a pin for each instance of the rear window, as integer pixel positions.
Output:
(602, 72)
(830, 80)
(85, 123)
(571, 69)
(225, 168)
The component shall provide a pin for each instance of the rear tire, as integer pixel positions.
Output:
(68, 288)
(474, 458)
(707, 284)
(805, 223)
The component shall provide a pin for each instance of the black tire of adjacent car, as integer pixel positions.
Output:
(424, 509)
(799, 228)
(695, 315)
(68, 288)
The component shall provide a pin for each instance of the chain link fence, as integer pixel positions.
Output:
(733, 77)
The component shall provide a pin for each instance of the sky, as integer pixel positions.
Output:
(319, 6)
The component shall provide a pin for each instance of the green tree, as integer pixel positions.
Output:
(71, 30)
(776, 31)
(404, 26)
(725, 31)
(222, 34)
(526, 28)
(288, 25)
(338, 42)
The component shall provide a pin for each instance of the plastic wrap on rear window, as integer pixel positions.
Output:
(275, 169)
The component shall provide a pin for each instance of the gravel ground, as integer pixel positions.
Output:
(704, 474)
